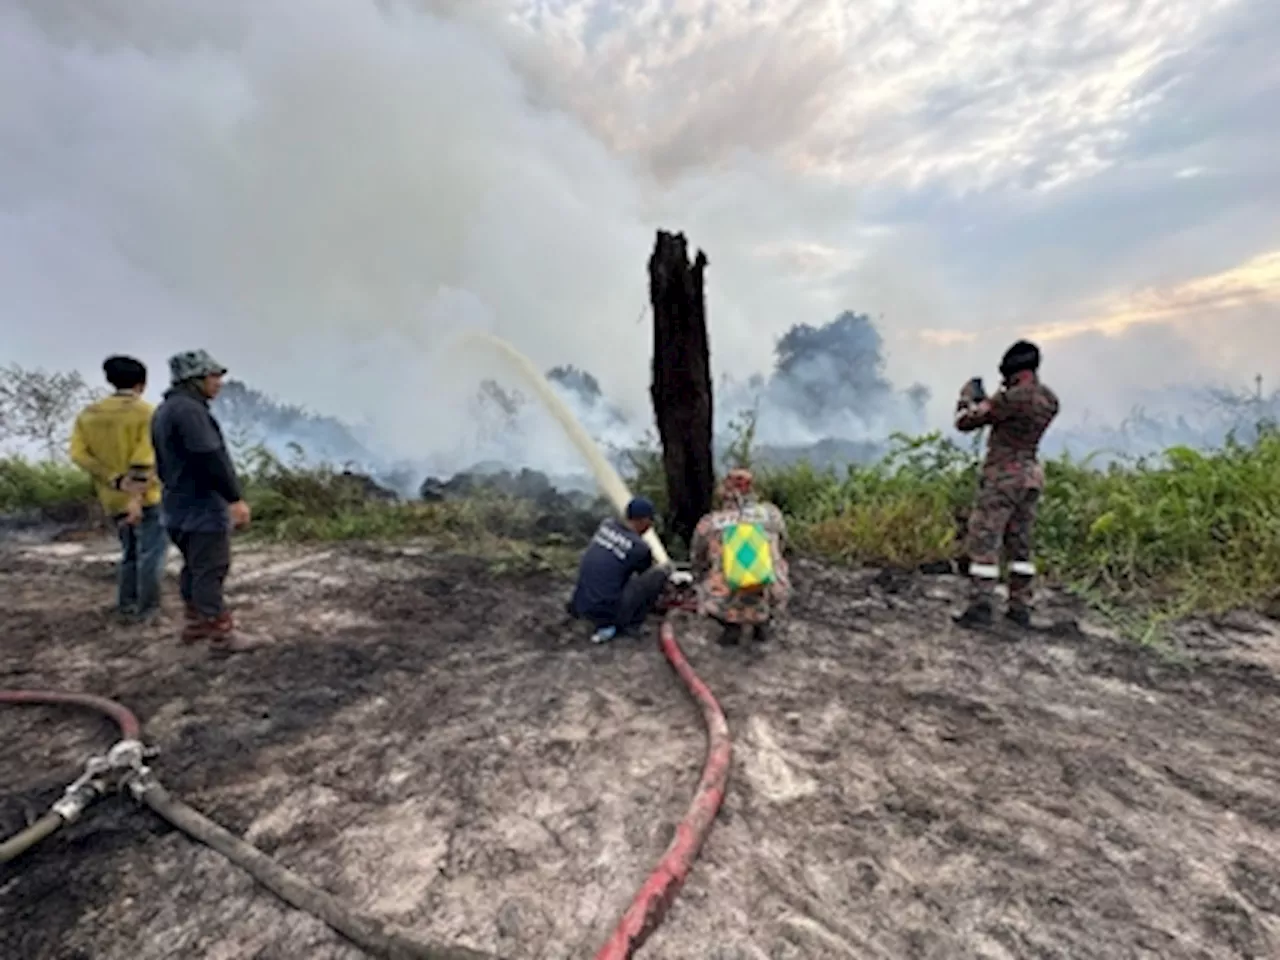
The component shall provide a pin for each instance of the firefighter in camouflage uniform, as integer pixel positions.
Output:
(1012, 481)
(737, 558)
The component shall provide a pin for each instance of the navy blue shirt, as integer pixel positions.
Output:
(615, 555)
(196, 472)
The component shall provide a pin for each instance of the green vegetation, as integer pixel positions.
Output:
(1146, 540)
(1159, 538)
(297, 503)
(46, 485)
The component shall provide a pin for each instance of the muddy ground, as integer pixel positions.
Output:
(433, 744)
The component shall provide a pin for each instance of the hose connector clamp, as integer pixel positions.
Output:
(83, 790)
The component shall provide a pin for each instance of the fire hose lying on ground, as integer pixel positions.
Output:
(124, 769)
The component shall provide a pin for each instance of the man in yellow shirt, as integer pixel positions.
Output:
(112, 443)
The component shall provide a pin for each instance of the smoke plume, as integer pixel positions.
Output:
(828, 382)
(250, 418)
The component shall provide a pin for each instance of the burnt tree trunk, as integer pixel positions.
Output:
(681, 389)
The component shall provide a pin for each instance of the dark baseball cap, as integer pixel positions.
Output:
(640, 509)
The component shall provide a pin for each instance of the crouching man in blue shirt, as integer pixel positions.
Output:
(618, 583)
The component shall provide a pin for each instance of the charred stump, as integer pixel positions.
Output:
(681, 389)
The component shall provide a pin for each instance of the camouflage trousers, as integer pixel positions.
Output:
(1004, 516)
(718, 601)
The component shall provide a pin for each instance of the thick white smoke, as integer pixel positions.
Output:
(323, 194)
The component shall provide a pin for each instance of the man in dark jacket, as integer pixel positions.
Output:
(617, 582)
(202, 502)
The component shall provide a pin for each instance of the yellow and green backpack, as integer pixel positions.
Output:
(747, 558)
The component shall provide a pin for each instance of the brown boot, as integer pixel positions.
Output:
(225, 638)
(194, 629)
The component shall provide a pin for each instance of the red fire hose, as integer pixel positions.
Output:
(655, 897)
(130, 728)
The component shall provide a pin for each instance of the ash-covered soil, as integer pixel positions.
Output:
(434, 744)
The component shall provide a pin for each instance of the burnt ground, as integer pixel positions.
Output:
(433, 744)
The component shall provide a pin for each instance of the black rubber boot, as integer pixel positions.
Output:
(1019, 615)
(761, 632)
(731, 636)
(977, 614)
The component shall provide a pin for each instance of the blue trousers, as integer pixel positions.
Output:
(638, 599)
(141, 563)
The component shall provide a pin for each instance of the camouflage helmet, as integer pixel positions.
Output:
(193, 365)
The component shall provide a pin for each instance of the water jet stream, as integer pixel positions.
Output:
(606, 476)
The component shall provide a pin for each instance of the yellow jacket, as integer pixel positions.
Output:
(110, 438)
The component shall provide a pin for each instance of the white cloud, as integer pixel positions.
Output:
(975, 93)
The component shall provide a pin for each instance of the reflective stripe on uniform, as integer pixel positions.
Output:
(985, 571)
(1022, 568)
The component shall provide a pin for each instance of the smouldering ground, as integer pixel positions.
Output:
(434, 744)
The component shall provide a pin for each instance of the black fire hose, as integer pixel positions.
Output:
(24, 840)
(377, 937)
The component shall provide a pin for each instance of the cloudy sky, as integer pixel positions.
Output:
(326, 193)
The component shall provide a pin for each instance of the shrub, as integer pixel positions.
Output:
(46, 485)
(1194, 530)
(900, 511)
(1186, 531)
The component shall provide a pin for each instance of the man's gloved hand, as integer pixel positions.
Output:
(681, 578)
